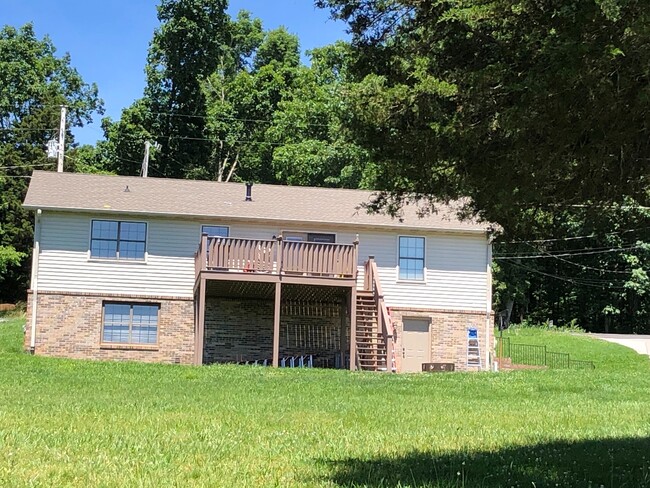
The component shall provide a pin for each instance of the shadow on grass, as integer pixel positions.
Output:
(609, 463)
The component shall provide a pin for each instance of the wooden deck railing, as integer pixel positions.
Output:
(384, 324)
(275, 256)
(319, 259)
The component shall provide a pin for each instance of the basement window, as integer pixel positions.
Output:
(112, 239)
(130, 323)
(411, 258)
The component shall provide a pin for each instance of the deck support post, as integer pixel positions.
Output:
(276, 324)
(353, 328)
(345, 313)
(200, 323)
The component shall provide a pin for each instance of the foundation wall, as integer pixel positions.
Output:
(70, 325)
(448, 333)
(239, 330)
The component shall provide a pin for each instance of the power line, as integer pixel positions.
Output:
(26, 129)
(549, 255)
(575, 281)
(228, 117)
(562, 239)
(27, 166)
(184, 138)
(156, 171)
(584, 266)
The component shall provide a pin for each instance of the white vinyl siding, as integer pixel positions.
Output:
(65, 263)
(455, 271)
(455, 265)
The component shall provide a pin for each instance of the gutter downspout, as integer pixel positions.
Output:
(35, 259)
(488, 302)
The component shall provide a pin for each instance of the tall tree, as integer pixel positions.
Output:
(185, 49)
(226, 92)
(261, 115)
(593, 274)
(312, 146)
(241, 105)
(515, 103)
(34, 82)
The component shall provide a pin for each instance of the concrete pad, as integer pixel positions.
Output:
(640, 343)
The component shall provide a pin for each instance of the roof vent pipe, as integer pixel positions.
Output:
(249, 191)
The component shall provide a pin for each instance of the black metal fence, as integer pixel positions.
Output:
(533, 355)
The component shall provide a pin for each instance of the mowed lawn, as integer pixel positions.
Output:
(94, 424)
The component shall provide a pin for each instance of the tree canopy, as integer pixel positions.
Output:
(534, 113)
(259, 114)
(517, 104)
(34, 82)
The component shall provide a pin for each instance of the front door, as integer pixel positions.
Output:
(415, 344)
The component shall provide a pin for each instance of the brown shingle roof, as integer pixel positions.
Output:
(172, 197)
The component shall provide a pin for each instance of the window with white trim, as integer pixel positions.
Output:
(215, 230)
(130, 323)
(411, 258)
(112, 239)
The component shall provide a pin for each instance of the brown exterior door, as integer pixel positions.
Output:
(416, 344)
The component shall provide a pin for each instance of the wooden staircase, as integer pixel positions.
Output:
(371, 345)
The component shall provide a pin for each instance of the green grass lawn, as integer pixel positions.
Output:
(605, 355)
(94, 424)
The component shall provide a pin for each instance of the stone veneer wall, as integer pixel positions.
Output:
(448, 331)
(70, 325)
(242, 330)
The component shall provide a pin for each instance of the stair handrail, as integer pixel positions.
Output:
(372, 283)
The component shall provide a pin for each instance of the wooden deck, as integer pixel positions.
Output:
(279, 262)
(231, 258)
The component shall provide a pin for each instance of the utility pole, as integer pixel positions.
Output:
(145, 162)
(59, 167)
(144, 171)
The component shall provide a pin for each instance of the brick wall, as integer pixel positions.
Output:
(448, 333)
(69, 325)
(242, 330)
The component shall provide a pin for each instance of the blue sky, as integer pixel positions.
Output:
(108, 39)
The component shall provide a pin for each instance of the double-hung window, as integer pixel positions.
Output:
(112, 239)
(411, 258)
(130, 323)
